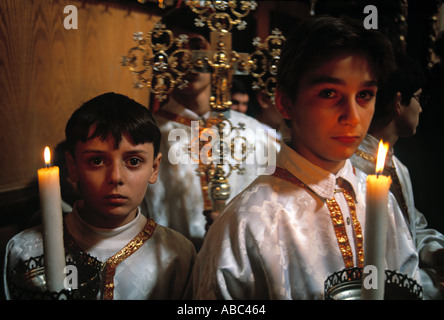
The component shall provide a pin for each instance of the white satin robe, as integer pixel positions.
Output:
(427, 240)
(276, 240)
(159, 269)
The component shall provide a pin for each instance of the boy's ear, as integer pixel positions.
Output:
(263, 99)
(397, 104)
(72, 169)
(156, 166)
(283, 104)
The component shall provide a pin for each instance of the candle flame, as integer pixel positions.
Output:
(382, 153)
(47, 155)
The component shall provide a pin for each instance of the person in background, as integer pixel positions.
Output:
(239, 96)
(398, 106)
(263, 108)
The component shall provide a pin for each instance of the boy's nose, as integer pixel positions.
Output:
(350, 115)
(115, 175)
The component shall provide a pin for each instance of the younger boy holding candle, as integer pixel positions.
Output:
(113, 154)
(287, 232)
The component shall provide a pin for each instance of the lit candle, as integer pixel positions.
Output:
(375, 235)
(52, 220)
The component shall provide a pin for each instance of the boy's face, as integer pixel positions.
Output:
(240, 102)
(112, 182)
(332, 111)
(408, 115)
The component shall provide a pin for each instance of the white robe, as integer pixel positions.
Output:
(176, 199)
(427, 240)
(159, 269)
(276, 240)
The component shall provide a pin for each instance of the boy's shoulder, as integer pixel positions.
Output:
(269, 182)
(24, 245)
(267, 201)
(172, 239)
(266, 193)
(31, 236)
(163, 231)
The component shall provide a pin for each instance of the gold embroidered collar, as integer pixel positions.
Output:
(112, 263)
(337, 220)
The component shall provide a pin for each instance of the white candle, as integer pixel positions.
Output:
(375, 234)
(52, 220)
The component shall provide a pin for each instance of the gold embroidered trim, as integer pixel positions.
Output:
(365, 156)
(125, 252)
(341, 233)
(337, 220)
(111, 264)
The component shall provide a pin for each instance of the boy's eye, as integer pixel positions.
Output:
(328, 94)
(366, 95)
(134, 162)
(96, 161)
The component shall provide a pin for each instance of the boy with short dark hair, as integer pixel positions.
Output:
(287, 232)
(113, 154)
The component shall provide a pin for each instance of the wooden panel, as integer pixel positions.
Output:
(47, 71)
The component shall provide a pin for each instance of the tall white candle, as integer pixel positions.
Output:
(375, 234)
(52, 220)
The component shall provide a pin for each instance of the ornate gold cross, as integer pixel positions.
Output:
(160, 61)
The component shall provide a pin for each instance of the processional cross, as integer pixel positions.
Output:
(160, 61)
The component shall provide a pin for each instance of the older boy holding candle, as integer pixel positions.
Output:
(287, 232)
(397, 115)
(113, 154)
